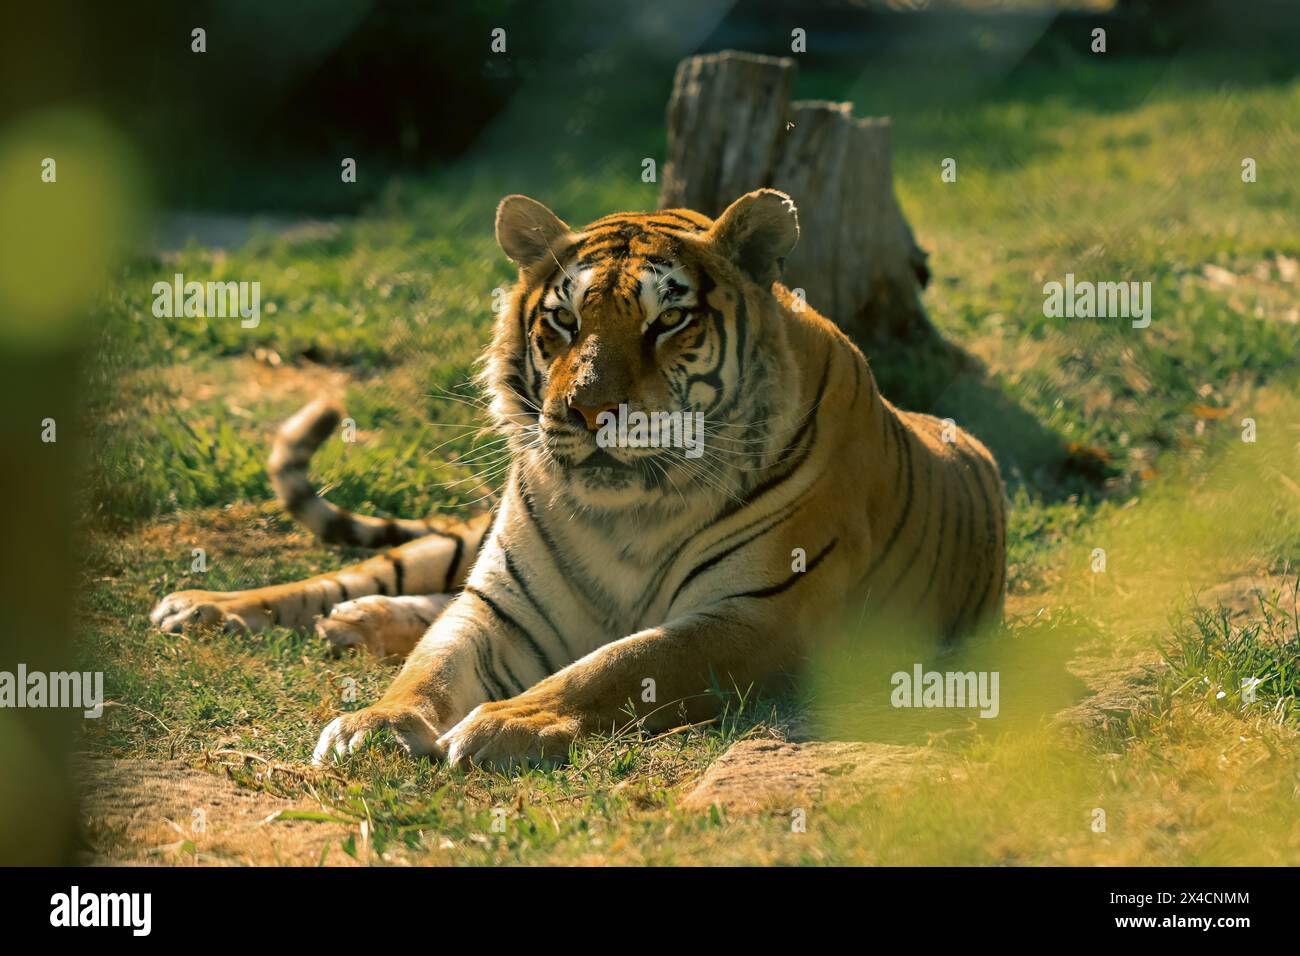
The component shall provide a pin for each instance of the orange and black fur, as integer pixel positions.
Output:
(607, 570)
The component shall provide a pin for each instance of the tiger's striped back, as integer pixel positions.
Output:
(940, 523)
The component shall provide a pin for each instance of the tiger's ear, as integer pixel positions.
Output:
(527, 231)
(757, 232)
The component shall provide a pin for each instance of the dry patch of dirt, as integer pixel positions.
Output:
(157, 812)
(1117, 687)
(1240, 597)
(246, 384)
(257, 388)
(757, 775)
(243, 530)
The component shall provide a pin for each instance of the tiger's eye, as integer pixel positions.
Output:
(565, 319)
(669, 320)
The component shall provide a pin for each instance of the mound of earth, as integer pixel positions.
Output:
(158, 812)
(776, 775)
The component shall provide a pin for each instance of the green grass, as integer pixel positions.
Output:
(1251, 667)
(1127, 171)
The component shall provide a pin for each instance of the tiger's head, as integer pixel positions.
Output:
(655, 313)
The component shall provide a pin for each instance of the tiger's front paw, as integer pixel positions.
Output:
(229, 610)
(415, 731)
(511, 732)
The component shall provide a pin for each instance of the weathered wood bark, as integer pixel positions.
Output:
(726, 118)
(732, 128)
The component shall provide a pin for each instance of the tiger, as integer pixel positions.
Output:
(627, 580)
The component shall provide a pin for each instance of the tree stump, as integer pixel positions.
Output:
(732, 129)
(726, 120)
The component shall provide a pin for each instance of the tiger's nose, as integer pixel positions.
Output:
(588, 415)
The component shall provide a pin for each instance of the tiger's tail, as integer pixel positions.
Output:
(294, 444)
